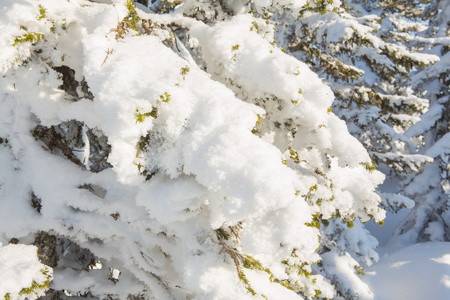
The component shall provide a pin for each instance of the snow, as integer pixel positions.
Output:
(262, 284)
(19, 268)
(441, 147)
(420, 271)
(384, 233)
(242, 141)
(344, 267)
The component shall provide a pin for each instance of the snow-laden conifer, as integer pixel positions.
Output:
(179, 154)
(429, 220)
(352, 47)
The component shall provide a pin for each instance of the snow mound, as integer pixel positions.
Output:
(417, 272)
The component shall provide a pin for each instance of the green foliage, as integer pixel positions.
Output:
(140, 117)
(369, 166)
(35, 287)
(42, 12)
(299, 268)
(30, 37)
(132, 17)
(144, 141)
(142, 146)
(255, 26)
(64, 25)
(393, 60)
(318, 219)
(251, 263)
(359, 270)
(245, 261)
(247, 285)
(320, 6)
(399, 164)
(403, 60)
(165, 97)
(411, 9)
(315, 221)
(259, 120)
(350, 224)
(131, 21)
(294, 156)
(303, 269)
(45, 272)
(7, 296)
(317, 294)
(331, 66)
(309, 197)
(256, 129)
(184, 71)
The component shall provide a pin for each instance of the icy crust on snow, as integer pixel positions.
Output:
(20, 269)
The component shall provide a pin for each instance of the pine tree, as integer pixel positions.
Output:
(361, 50)
(178, 152)
(430, 189)
(353, 49)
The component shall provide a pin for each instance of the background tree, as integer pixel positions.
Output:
(352, 47)
(430, 189)
(368, 52)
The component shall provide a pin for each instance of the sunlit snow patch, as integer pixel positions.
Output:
(416, 272)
